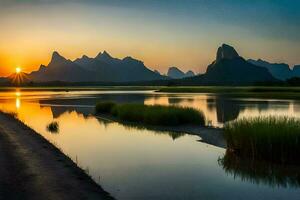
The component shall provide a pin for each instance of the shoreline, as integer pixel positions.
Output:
(209, 135)
(33, 168)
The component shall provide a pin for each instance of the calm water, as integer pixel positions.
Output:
(132, 163)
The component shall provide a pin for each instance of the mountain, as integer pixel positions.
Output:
(61, 69)
(102, 68)
(296, 71)
(226, 52)
(3, 79)
(175, 73)
(190, 73)
(231, 69)
(156, 71)
(280, 71)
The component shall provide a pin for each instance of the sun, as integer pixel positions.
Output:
(18, 70)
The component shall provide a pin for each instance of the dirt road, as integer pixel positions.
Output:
(32, 168)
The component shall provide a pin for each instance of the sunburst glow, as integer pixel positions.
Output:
(18, 70)
(18, 77)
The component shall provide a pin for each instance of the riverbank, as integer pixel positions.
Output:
(210, 135)
(33, 168)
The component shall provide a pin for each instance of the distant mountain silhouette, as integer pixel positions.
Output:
(231, 69)
(175, 73)
(102, 68)
(190, 73)
(296, 71)
(61, 69)
(280, 71)
(156, 71)
(3, 80)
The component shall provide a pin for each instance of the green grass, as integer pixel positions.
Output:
(53, 127)
(152, 114)
(275, 139)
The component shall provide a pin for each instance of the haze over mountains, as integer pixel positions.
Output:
(280, 71)
(175, 73)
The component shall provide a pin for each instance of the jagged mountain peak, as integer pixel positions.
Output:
(104, 55)
(57, 58)
(56, 55)
(85, 57)
(174, 72)
(101, 68)
(131, 59)
(226, 52)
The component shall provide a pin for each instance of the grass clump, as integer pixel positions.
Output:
(153, 114)
(53, 127)
(275, 139)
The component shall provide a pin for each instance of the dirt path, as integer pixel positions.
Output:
(32, 168)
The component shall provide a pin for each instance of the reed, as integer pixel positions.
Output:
(271, 138)
(152, 114)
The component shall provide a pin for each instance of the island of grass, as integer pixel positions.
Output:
(275, 139)
(152, 114)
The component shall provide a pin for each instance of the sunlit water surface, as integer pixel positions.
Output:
(131, 163)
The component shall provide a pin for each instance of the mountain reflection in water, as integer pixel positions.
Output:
(137, 163)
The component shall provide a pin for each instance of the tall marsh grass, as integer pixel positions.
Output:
(152, 114)
(272, 138)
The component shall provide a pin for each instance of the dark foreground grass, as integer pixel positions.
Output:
(152, 114)
(275, 139)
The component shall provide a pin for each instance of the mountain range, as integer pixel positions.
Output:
(229, 68)
(102, 68)
(280, 71)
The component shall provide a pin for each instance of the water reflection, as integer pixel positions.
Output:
(134, 127)
(137, 163)
(18, 102)
(260, 172)
(226, 110)
(218, 109)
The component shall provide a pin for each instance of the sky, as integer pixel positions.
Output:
(162, 33)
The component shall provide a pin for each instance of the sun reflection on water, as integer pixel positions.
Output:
(18, 99)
